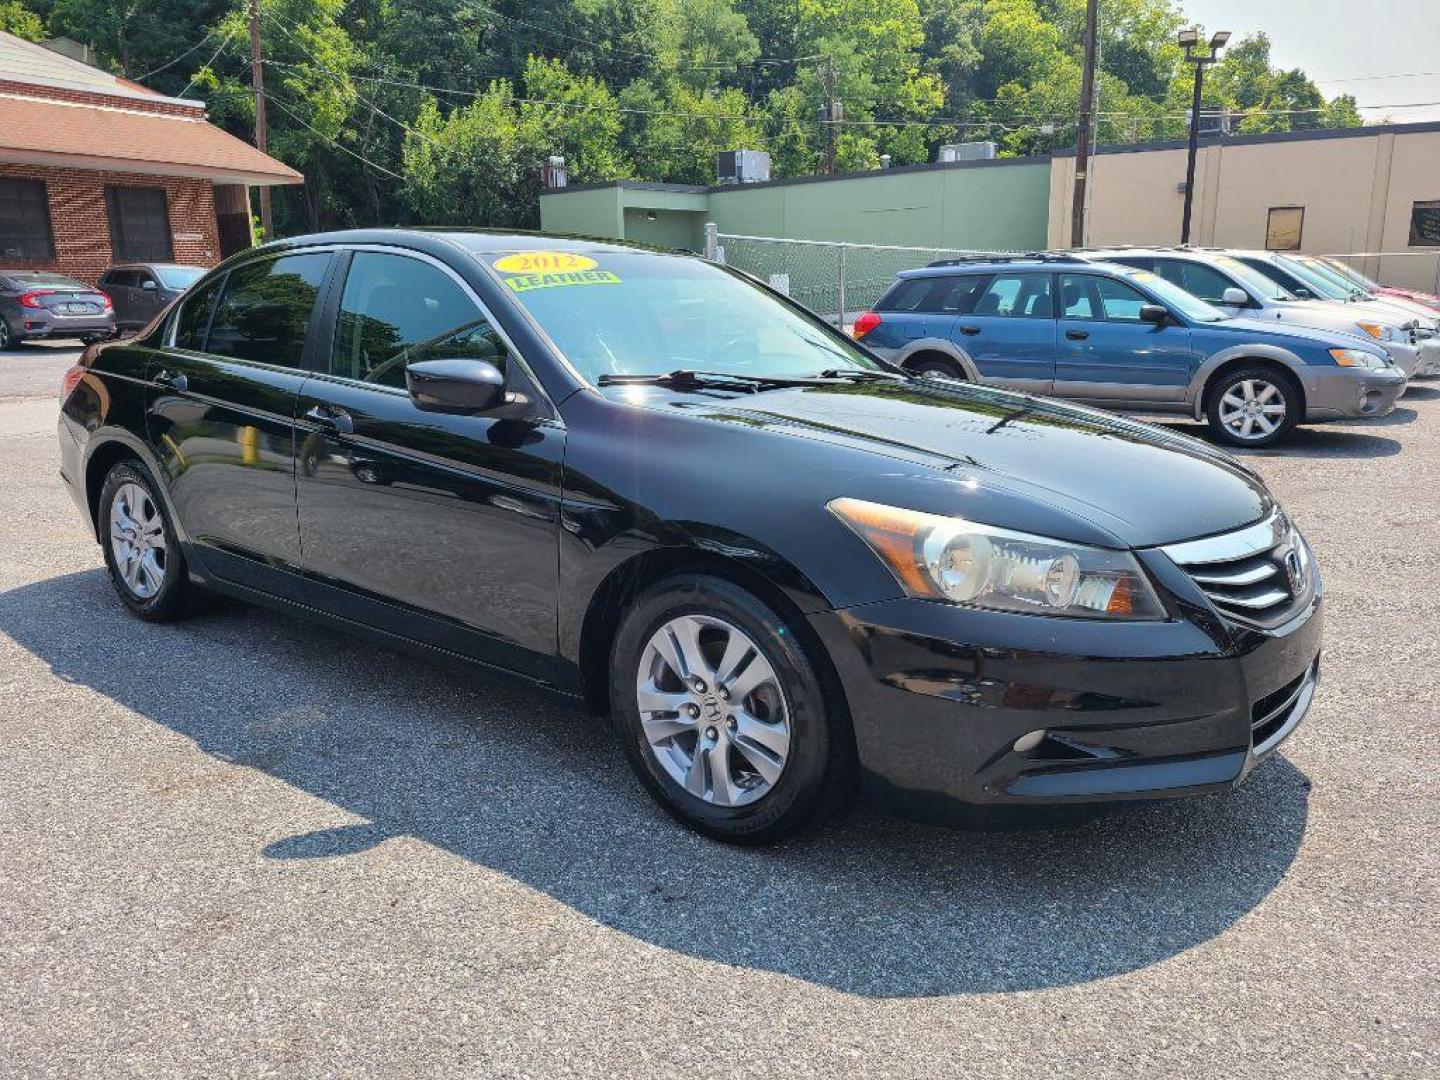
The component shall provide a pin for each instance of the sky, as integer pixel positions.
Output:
(1350, 40)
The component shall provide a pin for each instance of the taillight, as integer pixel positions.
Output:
(864, 324)
(105, 301)
(70, 380)
(32, 299)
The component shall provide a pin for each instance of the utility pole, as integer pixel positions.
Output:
(1190, 38)
(1082, 136)
(262, 140)
(830, 115)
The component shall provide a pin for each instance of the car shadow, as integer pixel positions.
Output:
(512, 779)
(1318, 441)
(1421, 393)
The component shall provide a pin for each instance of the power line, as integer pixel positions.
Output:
(172, 62)
(224, 41)
(279, 104)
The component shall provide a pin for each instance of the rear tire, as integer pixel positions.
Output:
(1254, 407)
(936, 365)
(8, 338)
(147, 567)
(761, 749)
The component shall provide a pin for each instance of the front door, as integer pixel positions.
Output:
(437, 527)
(222, 415)
(1010, 332)
(1106, 353)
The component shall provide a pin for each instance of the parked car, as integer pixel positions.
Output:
(657, 485)
(1240, 291)
(36, 304)
(1121, 338)
(1418, 296)
(1309, 278)
(140, 291)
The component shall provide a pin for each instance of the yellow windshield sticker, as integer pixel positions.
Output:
(540, 262)
(1141, 275)
(526, 282)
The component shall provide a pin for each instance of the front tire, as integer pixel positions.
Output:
(8, 338)
(142, 554)
(723, 715)
(1254, 407)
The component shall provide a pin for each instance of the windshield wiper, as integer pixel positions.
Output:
(861, 375)
(684, 379)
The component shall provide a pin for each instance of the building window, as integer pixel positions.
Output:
(1425, 223)
(25, 221)
(1282, 233)
(139, 224)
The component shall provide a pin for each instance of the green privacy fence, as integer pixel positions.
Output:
(835, 280)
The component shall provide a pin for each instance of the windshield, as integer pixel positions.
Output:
(1349, 273)
(1324, 285)
(1336, 280)
(1252, 279)
(179, 277)
(1174, 297)
(637, 313)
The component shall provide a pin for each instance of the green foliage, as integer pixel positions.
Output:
(446, 110)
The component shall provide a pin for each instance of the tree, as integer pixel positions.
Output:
(16, 19)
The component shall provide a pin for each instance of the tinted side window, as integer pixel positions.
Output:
(396, 310)
(1195, 278)
(1017, 296)
(958, 295)
(266, 309)
(194, 317)
(905, 295)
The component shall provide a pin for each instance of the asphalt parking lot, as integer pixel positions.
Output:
(244, 846)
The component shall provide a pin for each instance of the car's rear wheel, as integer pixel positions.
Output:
(723, 715)
(1254, 407)
(929, 364)
(8, 338)
(146, 565)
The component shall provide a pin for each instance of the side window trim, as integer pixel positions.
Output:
(336, 290)
(221, 281)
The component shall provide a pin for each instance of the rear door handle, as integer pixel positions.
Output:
(969, 329)
(171, 381)
(1077, 335)
(332, 417)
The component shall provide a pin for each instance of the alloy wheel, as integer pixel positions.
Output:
(4, 334)
(712, 710)
(1252, 409)
(137, 540)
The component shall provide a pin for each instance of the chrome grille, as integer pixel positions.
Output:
(1257, 574)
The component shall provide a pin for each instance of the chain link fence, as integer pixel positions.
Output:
(835, 280)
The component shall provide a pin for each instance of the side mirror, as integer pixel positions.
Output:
(455, 386)
(1233, 297)
(149, 285)
(1154, 313)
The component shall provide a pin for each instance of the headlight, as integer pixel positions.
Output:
(1357, 358)
(946, 558)
(1379, 331)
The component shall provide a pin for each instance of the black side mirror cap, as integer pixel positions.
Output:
(455, 386)
(1154, 313)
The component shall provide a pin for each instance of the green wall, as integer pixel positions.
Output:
(962, 206)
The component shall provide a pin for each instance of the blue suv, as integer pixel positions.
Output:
(1124, 338)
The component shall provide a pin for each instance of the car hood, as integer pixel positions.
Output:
(1334, 332)
(1136, 483)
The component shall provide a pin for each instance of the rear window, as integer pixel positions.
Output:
(952, 294)
(42, 278)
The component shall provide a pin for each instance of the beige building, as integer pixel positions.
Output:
(1356, 190)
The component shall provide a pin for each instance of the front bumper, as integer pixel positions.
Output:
(1336, 393)
(1429, 365)
(940, 695)
(1404, 356)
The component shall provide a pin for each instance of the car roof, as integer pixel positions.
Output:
(1063, 260)
(154, 266)
(475, 240)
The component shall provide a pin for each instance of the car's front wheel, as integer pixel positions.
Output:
(724, 717)
(146, 565)
(1254, 407)
(8, 338)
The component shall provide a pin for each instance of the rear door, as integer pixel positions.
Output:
(222, 414)
(1106, 353)
(438, 527)
(1009, 333)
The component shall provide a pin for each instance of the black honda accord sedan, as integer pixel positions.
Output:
(786, 570)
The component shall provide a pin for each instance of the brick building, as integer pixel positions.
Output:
(95, 169)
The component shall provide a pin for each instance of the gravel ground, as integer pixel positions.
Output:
(242, 846)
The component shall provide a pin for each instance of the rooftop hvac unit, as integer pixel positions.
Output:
(968, 151)
(742, 166)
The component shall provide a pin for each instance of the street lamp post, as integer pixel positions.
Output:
(1190, 39)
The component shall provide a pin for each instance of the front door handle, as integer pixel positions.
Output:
(1077, 335)
(969, 329)
(171, 381)
(332, 417)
